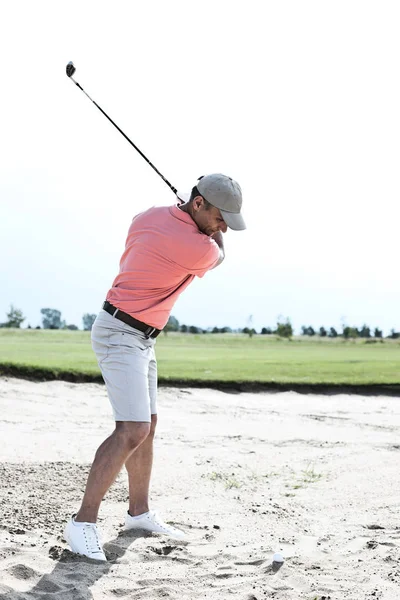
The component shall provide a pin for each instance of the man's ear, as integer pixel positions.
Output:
(197, 203)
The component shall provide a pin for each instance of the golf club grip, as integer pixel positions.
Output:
(130, 141)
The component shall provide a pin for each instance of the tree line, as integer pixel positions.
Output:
(51, 319)
(284, 329)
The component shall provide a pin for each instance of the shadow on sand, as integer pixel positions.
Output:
(67, 580)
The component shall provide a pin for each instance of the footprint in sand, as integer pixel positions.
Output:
(174, 552)
(21, 571)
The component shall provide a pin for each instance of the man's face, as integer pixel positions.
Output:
(207, 218)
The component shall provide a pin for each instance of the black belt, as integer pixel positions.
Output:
(123, 316)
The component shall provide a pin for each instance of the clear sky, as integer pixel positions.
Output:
(298, 101)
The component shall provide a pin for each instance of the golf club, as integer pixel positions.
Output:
(70, 71)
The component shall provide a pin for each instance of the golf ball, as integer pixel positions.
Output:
(278, 558)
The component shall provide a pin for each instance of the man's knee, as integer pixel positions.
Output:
(132, 434)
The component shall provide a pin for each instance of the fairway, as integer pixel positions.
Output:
(218, 357)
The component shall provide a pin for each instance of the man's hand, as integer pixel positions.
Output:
(219, 240)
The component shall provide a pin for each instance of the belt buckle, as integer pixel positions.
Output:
(149, 331)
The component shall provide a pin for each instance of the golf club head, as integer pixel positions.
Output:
(70, 68)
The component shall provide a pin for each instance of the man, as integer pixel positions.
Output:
(165, 249)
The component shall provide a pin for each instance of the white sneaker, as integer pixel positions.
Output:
(150, 521)
(84, 539)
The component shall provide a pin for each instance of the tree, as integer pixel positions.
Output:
(183, 328)
(332, 332)
(266, 331)
(364, 332)
(284, 329)
(172, 325)
(350, 332)
(193, 329)
(394, 335)
(88, 320)
(250, 330)
(14, 318)
(215, 330)
(307, 330)
(377, 333)
(322, 332)
(51, 318)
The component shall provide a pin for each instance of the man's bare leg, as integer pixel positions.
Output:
(139, 466)
(109, 460)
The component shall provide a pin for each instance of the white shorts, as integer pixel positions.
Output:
(128, 364)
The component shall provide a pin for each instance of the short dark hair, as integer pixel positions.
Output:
(195, 192)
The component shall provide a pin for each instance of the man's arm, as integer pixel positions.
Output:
(219, 240)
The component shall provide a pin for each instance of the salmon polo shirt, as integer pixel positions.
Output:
(164, 251)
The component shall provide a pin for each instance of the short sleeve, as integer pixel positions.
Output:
(208, 260)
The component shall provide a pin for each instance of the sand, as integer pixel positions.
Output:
(245, 475)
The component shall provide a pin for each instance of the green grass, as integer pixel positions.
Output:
(229, 481)
(219, 357)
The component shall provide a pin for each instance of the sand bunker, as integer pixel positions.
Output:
(245, 475)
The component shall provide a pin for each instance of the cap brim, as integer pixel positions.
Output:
(234, 221)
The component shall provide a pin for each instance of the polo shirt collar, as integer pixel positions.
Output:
(181, 215)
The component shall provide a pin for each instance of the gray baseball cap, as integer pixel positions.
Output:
(224, 193)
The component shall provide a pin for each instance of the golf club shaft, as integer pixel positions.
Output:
(126, 137)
